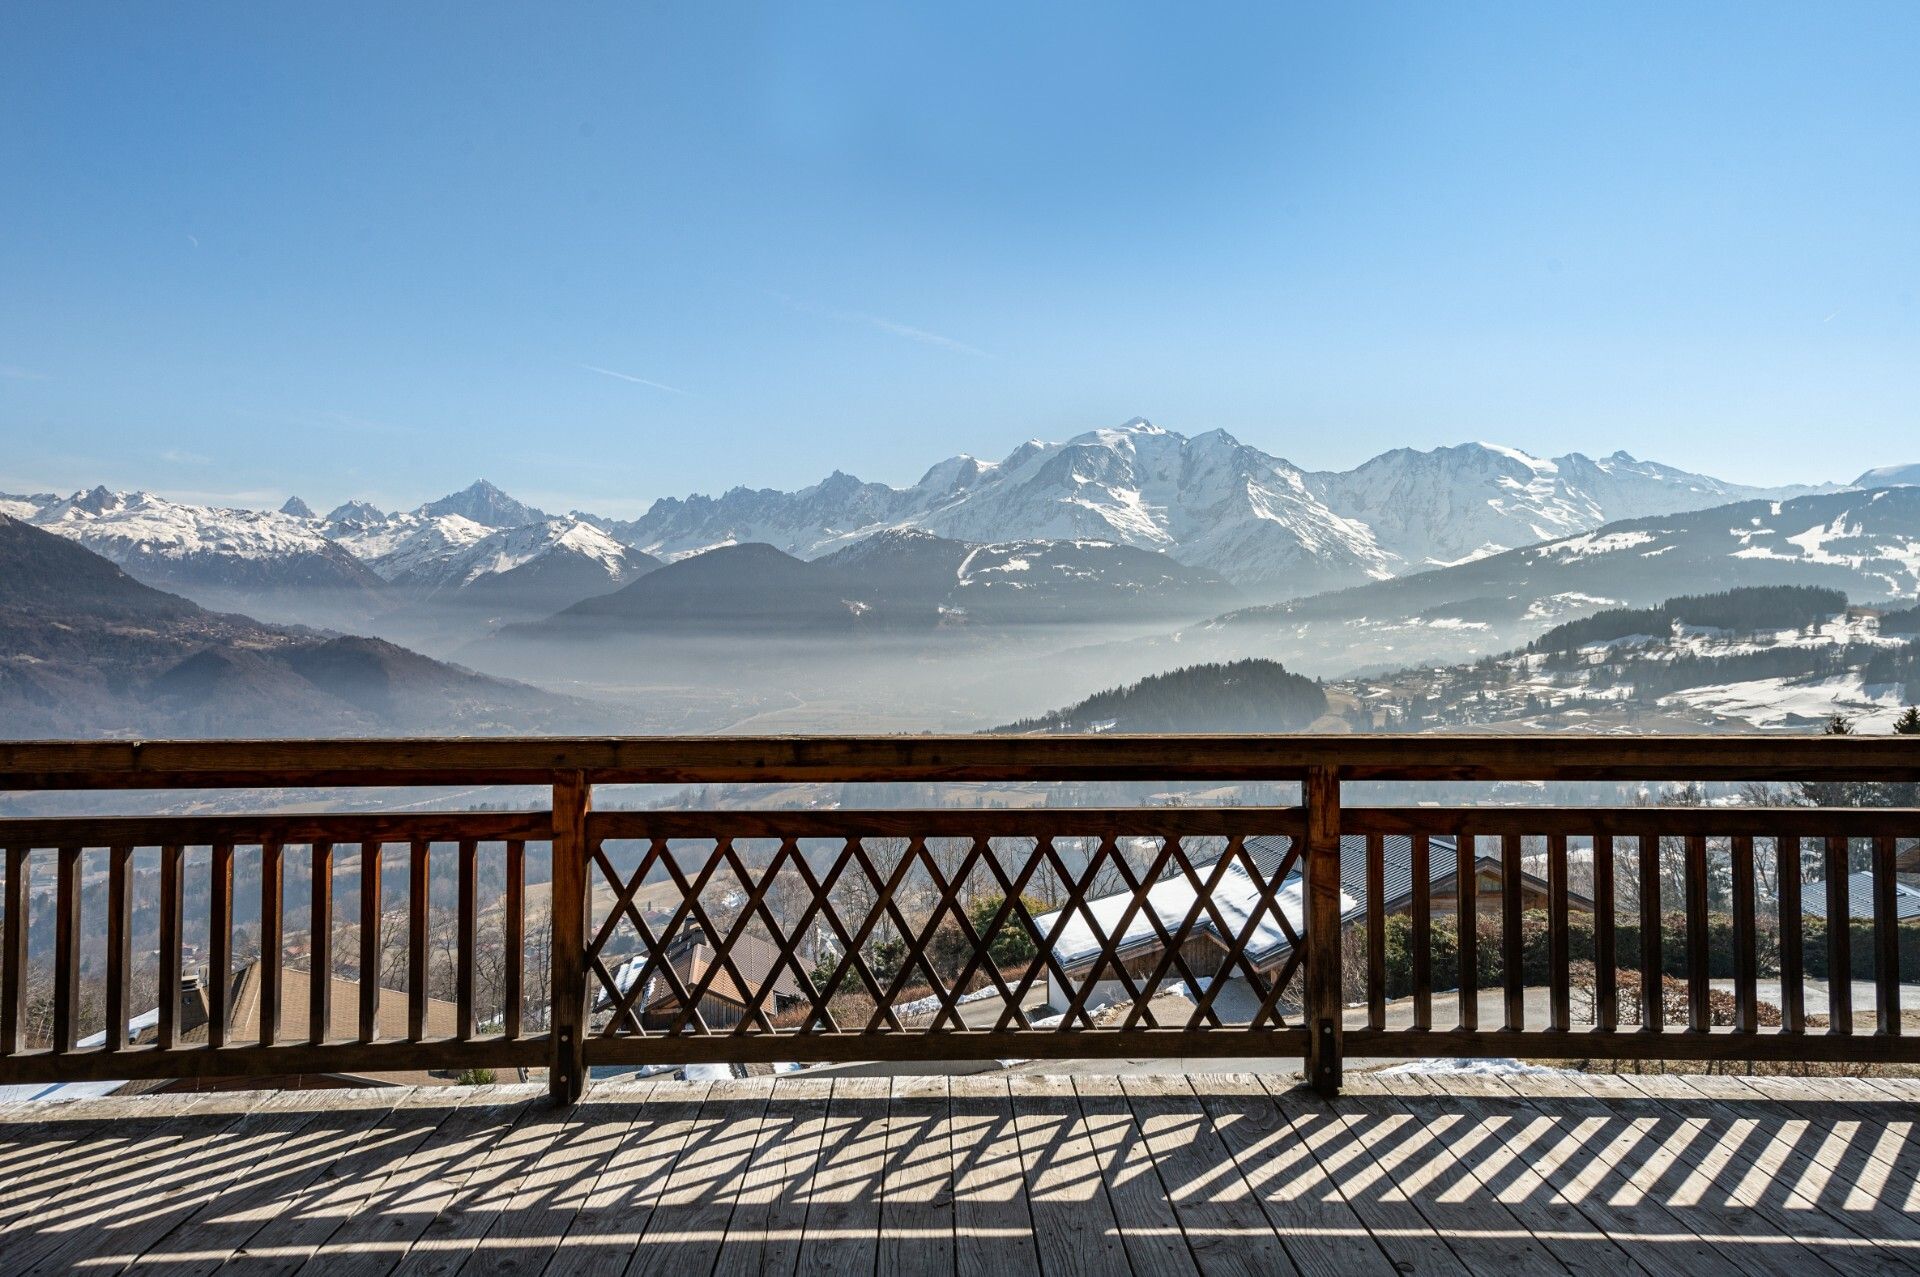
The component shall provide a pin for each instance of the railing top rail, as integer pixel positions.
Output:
(282, 827)
(181, 764)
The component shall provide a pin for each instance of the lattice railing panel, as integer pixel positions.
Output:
(808, 927)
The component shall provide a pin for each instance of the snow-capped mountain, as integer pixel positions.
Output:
(24, 506)
(1889, 476)
(485, 504)
(1451, 505)
(1865, 544)
(356, 512)
(267, 563)
(1210, 501)
(298, 509)
(567, 555)
(406, 545)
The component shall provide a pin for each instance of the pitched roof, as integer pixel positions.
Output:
(691, 956)
(1906, 899)
(296, 996)
(1238, 896)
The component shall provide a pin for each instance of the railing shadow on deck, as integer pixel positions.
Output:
(1055, 1176)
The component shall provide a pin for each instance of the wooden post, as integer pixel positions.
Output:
(567, 1023)
(1324, 1011)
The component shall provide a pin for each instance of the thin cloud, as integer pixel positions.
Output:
(885, 325)
(13, 372)
(638, 381)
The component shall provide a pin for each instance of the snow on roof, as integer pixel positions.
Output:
(1238, 896)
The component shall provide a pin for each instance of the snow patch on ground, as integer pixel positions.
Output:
(1472, 1068)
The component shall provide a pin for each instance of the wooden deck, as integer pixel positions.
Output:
(1687, 1176)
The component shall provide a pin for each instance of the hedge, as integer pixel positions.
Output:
(1626, 942)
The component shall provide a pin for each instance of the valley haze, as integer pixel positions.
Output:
(986, 592)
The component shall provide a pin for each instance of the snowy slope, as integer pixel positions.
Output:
(220, 557)
(1210, 501)
(1866, 544)
(1686, 677)
(1451, 505)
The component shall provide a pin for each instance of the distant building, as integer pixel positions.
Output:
(1237, 898)
(296, 992)
(1906, 899)
(692, 956)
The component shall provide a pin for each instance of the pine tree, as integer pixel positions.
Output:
(1908, 724)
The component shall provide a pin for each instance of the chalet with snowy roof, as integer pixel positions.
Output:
(1236, 898)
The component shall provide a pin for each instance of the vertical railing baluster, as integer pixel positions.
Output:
(464, 943)
(1793, 968)
(119, 943)
(219, 941)
(272, 937)
(515, 924)
(370, 902)
(1699, 1009)
(1422, 938)
(1559, 962)
(13, 951)
(1886, 937)
(1376, 932)
(1839, 939)
(320, 939)
(419, 920)
(1512, 944)
(1746, 961)
(1653, 1011)
(1466, 927)
(1324, 1011)
(168, 1028)
(567, 1076)
(66, 950)
(1606, 993)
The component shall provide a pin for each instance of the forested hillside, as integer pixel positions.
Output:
(1239, 696)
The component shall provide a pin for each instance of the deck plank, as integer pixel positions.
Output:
(375, 1238)
(1525, 1151)
(1863, 1168)
(1425, 1164)
(108, 1216)
(997, 1175)
(1361, 1172)
(842, 1230)
(1073, 1221)
(301, 1222)
(1745, 1185)
(916, 1217)
(227, 1222)
(1225, 1226)
(1316, 1225)
(992, 1219)
(1148, 1228)
(467, 1213)
(689, 1221)
(617, 1196)
(764, 1228)
(1693, 1156)
(1624, 1151)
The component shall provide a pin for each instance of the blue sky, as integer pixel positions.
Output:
(601, 254)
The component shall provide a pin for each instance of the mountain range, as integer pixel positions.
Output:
(1275, 530)
(87, 650)
(1210, 501)
(1863, 543)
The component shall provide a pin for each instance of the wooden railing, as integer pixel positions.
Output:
(766, 935)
